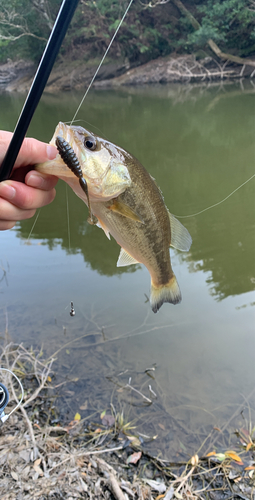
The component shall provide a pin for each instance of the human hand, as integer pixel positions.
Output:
(27, 189)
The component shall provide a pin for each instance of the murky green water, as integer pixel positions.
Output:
(199, 145)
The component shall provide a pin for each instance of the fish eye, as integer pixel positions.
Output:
(90, 142)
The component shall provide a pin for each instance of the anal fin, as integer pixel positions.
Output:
(125, 259)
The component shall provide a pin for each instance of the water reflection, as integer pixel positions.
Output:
(198, 144)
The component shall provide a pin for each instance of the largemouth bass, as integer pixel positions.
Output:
(127, 204)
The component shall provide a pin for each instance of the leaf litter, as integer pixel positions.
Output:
(104, 456)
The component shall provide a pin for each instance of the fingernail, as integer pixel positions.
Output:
(35, 180)
(52, 152)
(7, 192)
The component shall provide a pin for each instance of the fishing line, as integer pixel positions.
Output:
(31, 230)
(90, 125)
(215, 204)
(85, 95)
(102, 60)
(68, 221)
(82, 101)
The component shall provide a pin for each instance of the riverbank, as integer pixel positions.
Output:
(103, 457)
(68, 74)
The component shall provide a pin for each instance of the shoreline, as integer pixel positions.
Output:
(76, 75)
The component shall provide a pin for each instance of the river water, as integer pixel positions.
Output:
(198, 143)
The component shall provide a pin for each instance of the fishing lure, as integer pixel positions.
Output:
(70, 159)
(72, 311)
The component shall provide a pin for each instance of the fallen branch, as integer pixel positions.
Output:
(211, 43)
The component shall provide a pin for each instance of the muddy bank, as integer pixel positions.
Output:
(68, 75)
(103, 456)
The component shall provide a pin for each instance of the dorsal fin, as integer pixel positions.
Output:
(180, 237)
(125, 259)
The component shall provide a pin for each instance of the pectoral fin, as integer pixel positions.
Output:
(180, 237)
(125, 259)
(123, 209)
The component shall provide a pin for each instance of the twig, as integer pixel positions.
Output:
(112, 481)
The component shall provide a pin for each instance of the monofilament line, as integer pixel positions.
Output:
(32, 228)
(215, 204)
(68, 221)
(103, 58)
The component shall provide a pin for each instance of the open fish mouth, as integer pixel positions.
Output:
(101, 163)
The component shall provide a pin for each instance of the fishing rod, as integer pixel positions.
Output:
(50, 53)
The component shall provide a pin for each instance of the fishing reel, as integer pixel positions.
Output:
(4, 400)
(4, 397)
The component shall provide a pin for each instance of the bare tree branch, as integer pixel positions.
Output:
(42, 7)
(13, 26)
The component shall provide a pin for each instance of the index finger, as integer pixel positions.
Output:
(32, 151)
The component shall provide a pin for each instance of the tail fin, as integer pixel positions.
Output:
(165, 293)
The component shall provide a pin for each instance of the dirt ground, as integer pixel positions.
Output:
(104, 459)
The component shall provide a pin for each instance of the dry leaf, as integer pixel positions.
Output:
(211, 453)
(162, 427)
(85, 406)
(237, 479)
(38, 470)
(245, 432)
(133, 459)
(14, 475)
(25, 455)
(233, 455)
(135, 441)
(26, 471)
(194, 460)
(49, 378)
(248, 446)
(38, 461)
(178, 495)
(77, 416)
(108, 420)
(156, 485)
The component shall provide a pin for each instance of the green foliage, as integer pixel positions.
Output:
(147, 33)
(228, 22)
(25, 27)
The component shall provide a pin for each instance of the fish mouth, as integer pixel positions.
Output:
(106, 175)
(57, 166)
